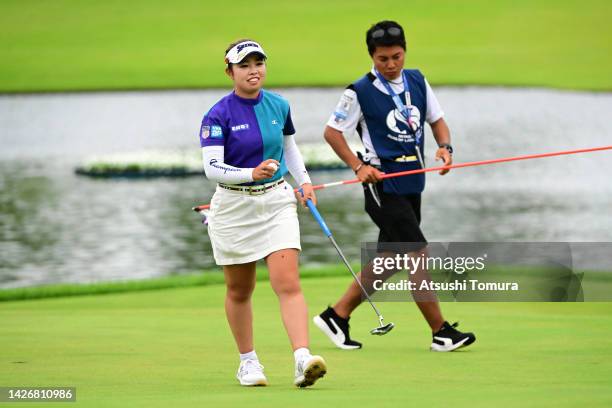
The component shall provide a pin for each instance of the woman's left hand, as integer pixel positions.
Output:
(308, 193)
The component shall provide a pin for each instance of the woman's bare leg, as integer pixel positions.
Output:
(285, 280)
(240, 283)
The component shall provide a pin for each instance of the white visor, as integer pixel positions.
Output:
(241, 50)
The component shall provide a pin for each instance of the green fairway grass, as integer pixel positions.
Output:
(172, 348)
(166, 282)
(65, 45)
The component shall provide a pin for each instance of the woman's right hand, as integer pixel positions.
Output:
(264, 170)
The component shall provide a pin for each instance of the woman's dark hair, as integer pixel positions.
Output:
(232, 45)
(385, 34)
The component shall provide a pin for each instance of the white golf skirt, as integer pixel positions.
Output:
(245, 228)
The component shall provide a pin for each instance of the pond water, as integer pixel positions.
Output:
(59, 227)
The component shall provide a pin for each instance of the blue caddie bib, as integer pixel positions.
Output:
(394, 140)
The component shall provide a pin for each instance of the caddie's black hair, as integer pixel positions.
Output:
(385, 40)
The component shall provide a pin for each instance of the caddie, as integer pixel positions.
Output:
(388, 107)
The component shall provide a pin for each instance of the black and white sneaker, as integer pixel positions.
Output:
(336, 328)
(448, 338)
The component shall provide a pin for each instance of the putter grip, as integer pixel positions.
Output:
(317, 216)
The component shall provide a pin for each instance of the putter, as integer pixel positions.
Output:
(382, 328)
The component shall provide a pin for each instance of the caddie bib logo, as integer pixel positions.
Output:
(397, 123)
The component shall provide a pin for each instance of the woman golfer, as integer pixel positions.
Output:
(248, 146)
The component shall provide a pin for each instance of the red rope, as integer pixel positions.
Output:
(456, 166)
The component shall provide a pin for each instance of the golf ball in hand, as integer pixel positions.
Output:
(273, 166)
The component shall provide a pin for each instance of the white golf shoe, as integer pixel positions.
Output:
(250, 373)
(308, 370)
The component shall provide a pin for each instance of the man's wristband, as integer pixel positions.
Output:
(356, 169)
(447, 147)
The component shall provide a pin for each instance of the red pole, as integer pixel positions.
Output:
(454, 166)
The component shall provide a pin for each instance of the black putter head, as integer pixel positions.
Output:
(382, 330)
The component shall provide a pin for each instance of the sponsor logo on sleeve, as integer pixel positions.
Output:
(205, 132)
(343, 107)
(216, 132)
